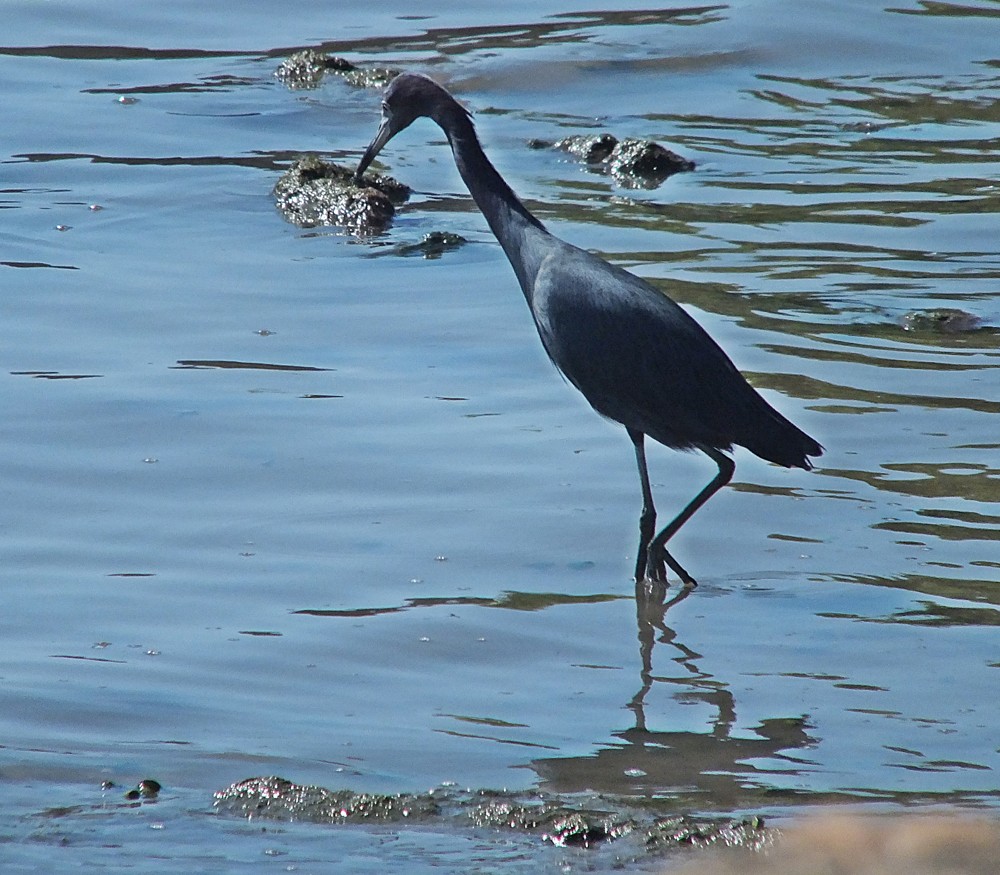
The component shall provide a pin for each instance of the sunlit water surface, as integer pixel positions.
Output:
(403, 557)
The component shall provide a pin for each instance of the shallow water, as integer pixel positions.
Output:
(406, 558)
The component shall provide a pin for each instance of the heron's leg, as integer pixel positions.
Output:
(647, 521)
(658, 546)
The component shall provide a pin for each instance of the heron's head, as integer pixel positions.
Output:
(408, 97)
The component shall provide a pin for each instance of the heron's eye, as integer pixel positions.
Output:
(385, 107)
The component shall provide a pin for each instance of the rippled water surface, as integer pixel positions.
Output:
(284, 501)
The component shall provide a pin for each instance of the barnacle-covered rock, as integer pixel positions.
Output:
(633, 163)
(307, 69)
(316, 192)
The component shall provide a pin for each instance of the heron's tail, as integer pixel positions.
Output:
(777, 440)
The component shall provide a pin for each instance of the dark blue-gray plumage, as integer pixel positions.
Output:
(636, 356)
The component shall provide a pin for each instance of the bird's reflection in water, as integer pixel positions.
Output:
(651, 606)
(711, 769)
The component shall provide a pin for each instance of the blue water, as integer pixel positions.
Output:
(408, 561)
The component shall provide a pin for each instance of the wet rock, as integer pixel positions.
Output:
(370, 77)
(942, 320)
(644, 163)
(633, 163)
(556, 822)
(433, 245)
(306, 69)
(315, 192)
(274, 798)
(585, 821)
(592, 148)
(145, 789)
(749, 833)
(868, 127)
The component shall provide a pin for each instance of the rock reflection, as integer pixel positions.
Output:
(981, 590)
(936, 480)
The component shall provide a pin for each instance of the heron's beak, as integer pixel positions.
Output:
(385, 133)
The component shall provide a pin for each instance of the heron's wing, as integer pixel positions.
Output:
(641, 360)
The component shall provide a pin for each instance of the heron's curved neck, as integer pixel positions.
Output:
(518, 231)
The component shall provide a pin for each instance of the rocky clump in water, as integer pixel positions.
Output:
(275, 798)
(942, 320)
(432, 245)
(145, 789)
(315, 192)
(587, 822)
(306, 69)
(633, 163)
(592, 148)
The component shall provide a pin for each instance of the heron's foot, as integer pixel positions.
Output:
(687, 581)
(657, 562)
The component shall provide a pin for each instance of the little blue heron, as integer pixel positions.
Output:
(636, 356)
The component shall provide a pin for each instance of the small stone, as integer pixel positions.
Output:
(433, 245)
(149, 787)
